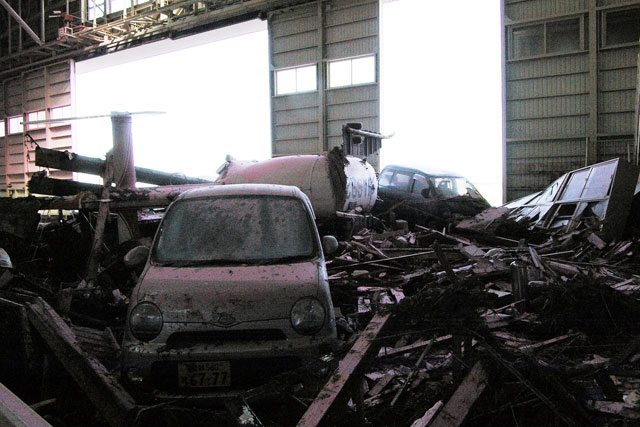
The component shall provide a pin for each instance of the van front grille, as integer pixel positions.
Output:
(191, 338)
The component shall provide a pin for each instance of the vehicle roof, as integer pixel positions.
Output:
(426, 170)
(243, 190)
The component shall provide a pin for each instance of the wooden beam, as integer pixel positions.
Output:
(107, 395)
(14, 412)
(414, 346)
(352, 361)
(458, 406)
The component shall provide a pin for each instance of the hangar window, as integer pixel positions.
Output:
(15, 125)
(352, 71)
(99, 8)
(2, 134)
(528, 41)
(95, 9)
(563, 36)
(295, 80)
(34, 116)
(61, 112)
(622, 27)
(547, 38)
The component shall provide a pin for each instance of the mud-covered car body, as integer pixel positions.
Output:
(234, 289)
(422, 196)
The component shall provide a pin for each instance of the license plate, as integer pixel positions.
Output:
(204, 374)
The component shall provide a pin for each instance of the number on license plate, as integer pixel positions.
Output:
(204, 374)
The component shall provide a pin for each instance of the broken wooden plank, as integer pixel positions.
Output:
(620, 409)
(428, 416)
(414, 346)
(381, 384)
(413, 372)
(108, 396)
(458, 406)
(14, 412)
(596, 241)
(551, 341)
(241, 412)
(335, 386)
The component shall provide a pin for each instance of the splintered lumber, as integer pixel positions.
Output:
(414, 346)
(410, 376)
(428, 416)
(551, 341)
(620, 409)
(107, 395)
(381, 384)
(241, 412)
(458, 406)
(14, 412)
(352, 361)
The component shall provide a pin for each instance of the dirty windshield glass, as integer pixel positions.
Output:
(235, 230)
(448, 187)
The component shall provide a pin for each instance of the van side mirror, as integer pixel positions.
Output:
(329, 244)
(136, 256)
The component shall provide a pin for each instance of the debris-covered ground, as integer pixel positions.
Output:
(476, 325)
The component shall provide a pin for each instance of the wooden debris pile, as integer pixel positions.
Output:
(518, 334)
(436, 329)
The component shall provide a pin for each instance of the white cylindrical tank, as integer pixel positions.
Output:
(332, 181)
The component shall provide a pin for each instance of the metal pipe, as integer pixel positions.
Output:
(124, 173)
(23, 24)
(42, 28)
(72, 162)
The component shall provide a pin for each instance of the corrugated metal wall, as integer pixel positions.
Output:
(565, 109)
(317, 33)
(48, 90)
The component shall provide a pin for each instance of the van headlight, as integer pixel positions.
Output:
(307, 316)
(145, 321)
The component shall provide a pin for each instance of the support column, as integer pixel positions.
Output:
(591, 154)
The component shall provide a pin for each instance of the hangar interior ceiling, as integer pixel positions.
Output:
(570, 76)
(324, 65)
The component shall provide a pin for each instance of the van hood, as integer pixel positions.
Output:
(228, 296)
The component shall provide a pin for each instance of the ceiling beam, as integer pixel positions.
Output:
(23, 24)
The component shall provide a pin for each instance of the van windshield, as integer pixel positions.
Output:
(235, 230)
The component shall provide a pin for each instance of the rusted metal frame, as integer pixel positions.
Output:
(363, 347)
(21, 21)
(108, 396)
(15, 413)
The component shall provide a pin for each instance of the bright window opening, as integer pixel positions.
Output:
(353, 71)
(15, 125)
(295, 80)
(2, 134)
(36, 116)
(61, 112)
(95, 9)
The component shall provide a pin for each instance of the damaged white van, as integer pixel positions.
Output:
(234, 289)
